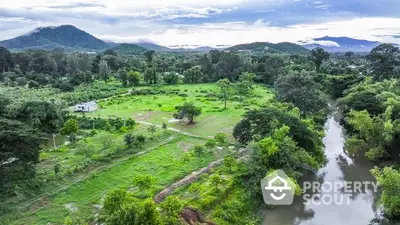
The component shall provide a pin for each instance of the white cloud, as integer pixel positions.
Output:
(232, 33)
(324, 43)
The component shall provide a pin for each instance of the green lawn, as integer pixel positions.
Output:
(164, 163)
(161, 107)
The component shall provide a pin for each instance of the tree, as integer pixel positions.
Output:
(149, 55)
(257, 124)
(134, 78)
(171, 78)
(152, 129)
(151, 75)
(6, 60)
(33, 84)
(349, 54)
(171, 207)
(143, 182)
(389, 180)
(70, 127)
(193, 75)
(225, 87)
(129, 140)
(371, 134)
(279, 151)
(96, 64)
(300, 89)
(104, 70)
(115, 200)
(43, 115)
(188, 110)
(245, 84)
(318, 56)
(383, 60)
(123, 76)
(198, 150)
(19, 152)
(149, 215)
(126, 215)
(271, 68)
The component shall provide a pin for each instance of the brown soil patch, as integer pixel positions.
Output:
(193, 217)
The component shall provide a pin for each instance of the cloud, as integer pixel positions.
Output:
(213, 34)
(324, 43)
(207, 22)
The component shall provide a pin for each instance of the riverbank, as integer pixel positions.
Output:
(360, 210)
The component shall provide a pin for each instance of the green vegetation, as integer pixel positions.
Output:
(183, 134)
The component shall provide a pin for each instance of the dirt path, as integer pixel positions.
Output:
(191, 178)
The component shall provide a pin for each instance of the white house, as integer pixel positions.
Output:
(86, 107)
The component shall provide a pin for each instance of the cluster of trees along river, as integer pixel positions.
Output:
(355, 137)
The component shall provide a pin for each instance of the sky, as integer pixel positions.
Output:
(208, 22)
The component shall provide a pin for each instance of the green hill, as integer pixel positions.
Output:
(284, 47)
(129, 49)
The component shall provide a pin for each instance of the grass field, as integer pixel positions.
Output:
(165, 164)
(160, 108)
(91, 168)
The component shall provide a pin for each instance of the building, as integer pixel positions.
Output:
(86, 107)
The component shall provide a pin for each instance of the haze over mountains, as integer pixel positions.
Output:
(71, 38)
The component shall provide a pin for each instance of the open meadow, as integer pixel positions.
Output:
(157, 106)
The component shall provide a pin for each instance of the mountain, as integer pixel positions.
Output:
(129, 49)
(152, 46)
(65, 36)
(342, 44)
(284, 47)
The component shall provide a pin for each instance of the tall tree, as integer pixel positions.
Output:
(104, 70)
(149, 55)
(193, 75)
(383, 61)
(272, 68)
(123, 76)
(46, 116)
(300, 89)
(6, 60)
(19, 152)
(318, 56)
(225, 87)
(151, 75)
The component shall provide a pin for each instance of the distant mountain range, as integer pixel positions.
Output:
(71, 38)
(342, 44)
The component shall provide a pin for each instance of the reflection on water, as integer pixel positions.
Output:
(361, 209)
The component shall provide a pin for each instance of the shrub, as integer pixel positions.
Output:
(220, 138)
(211, 143)
(198, 150)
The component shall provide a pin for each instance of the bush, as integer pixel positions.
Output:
(198, 150)
(220, 138)
(211, 143)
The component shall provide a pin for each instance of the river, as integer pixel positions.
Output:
(361, 208)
